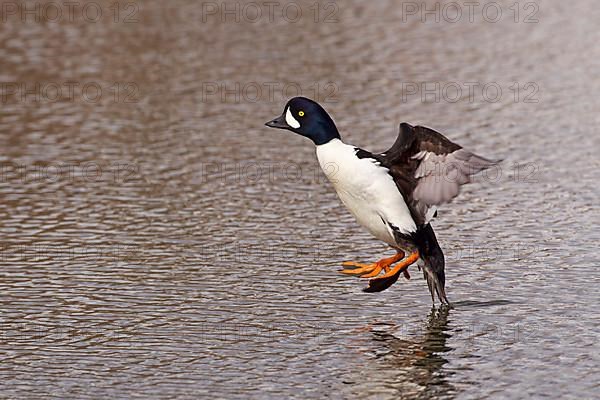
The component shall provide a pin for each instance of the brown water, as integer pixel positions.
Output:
(159, 242)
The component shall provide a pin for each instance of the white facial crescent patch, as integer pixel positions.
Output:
(291, 121)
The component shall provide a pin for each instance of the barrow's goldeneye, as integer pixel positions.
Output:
(394, 194)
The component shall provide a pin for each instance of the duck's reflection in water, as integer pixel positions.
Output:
(407, 361)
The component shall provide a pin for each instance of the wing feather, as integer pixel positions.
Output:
(440, 176)
(429, 168)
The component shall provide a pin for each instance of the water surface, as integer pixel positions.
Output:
(159, 242)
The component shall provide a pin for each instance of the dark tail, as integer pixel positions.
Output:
(433, 257)
(379, 285)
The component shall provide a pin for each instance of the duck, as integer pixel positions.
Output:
(394, 194)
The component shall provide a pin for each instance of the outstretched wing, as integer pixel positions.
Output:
(428, 168)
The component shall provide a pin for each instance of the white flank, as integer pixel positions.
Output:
(291, 121)
(366, 189)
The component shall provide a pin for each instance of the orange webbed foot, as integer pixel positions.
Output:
(390, 277)
(371, 270)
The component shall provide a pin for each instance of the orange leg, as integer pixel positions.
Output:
(400, 267)
(372, 270)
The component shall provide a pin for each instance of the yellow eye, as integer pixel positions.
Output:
(301, 113)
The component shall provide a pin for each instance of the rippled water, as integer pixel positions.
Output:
(159, 242)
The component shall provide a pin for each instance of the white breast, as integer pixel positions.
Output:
(366, 189)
